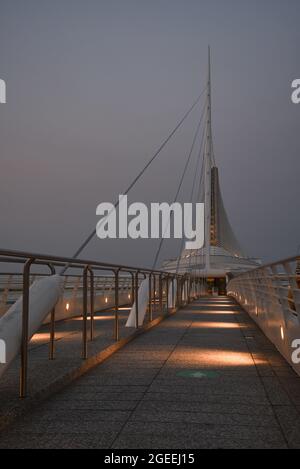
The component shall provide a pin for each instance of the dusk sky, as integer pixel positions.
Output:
(94, 87)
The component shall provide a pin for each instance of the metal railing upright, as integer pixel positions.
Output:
(87, 283)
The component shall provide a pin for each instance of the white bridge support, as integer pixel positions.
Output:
(172, 295)
(271, 296)
(143, 300)
(43, 296)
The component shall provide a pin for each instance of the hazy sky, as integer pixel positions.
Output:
(94, 86)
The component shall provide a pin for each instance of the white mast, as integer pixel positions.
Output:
(207, 166)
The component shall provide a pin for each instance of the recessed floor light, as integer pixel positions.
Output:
(198, 374)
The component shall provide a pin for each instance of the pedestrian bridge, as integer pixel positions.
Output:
(205, 377)
(202, 352)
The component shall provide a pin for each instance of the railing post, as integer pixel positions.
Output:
(178, 280)
(132, 288)
(150, 297)
(173, 295)
(183, 290)
(25, 327)
(160, 294)
(167, 293)
(25, 319)
(52, 334)
(137, 299)
(116, 333)
(154, 292)
(189, 290)
(92, 303)
(52, 323)
(85, 312)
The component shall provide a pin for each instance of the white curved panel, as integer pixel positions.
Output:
(172, 295)
(143, 299)
(43, 296)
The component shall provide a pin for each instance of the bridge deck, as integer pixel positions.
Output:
(204, 378)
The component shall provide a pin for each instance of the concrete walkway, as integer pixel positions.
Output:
(204, 378)
(44, 374)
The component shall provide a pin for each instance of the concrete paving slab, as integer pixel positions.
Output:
(204, 378)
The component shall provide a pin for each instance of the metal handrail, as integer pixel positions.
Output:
(271, 296)
(6, 256)
(271, 264)
(88, 267)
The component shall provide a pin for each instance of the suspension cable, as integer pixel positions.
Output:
(92, 234)
(200, 153)
(181, 182)
(194, 254)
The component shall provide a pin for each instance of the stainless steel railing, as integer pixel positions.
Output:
(271, 295)
(90, 282)
(11, 285)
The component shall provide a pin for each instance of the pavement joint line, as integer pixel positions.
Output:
(152, 381)
(277, 427)
(30, 403)
(264, 387)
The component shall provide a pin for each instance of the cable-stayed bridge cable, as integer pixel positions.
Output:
(135, 180)
(200, 153)
(181, 182)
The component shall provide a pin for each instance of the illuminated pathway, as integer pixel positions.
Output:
(204, 378)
